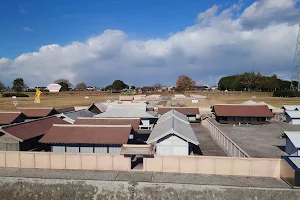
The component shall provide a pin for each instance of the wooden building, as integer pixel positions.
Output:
(236, 113)
(24, 136)
(87, 138)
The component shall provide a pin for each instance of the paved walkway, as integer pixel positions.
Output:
(208, 146)
(152, 177)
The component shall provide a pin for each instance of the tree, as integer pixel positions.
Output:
(132, 87)
(117, 85)
(81, 86)
(157, 85)
(185, 82)
(2, 86)
(65, 84)
(18, 84)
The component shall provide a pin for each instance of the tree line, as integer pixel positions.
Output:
(249, 81)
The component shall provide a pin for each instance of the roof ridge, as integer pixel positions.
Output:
(130, 118)
(10, 112)
(35, 107)
(90, 125)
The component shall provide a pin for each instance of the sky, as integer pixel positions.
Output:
(144, 42)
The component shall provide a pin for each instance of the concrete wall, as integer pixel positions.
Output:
(287, 173)
(45, 160)
(8, 143)
(231, 148)
(172, 146)
(55, 189)
(214, 165)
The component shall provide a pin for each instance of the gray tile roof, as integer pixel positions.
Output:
(173, 113)
(79, 113)
(173, 124)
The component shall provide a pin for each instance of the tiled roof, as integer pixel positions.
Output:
(235, 110)
(87, 134)
(78, 113)
(31, 129)
(134, 122)
(37, 112)
(9, 117)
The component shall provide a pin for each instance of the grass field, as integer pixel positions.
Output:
(63, 100)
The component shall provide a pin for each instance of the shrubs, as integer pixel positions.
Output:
(286, 93)
(15, 94)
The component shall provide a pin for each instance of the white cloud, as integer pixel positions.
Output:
(27, 29)
(218, 44)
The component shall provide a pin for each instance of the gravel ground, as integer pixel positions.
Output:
(207, 145)
(153, 177)
(259, 141)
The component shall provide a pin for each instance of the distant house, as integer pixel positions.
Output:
(293, 117)
(133, 110)
(73, 115)
(126, 98)
(192, 113)
(11, 118)
(179, 97)
(292, 146)
(236, 113)
(24, 136)
(97, 107)
(35, 113)
(87, 138)
(173, 135)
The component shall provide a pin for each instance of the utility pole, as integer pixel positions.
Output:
(295, 82)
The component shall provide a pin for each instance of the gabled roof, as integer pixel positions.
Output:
(294, 114)
(134, 122)
(237, 110)
(30, 129)
(101, 106)
(250, 102)
(294, 136)
(37, 112)
(291, 107)
(73, 115)
(173, 113)
(9, 117)
(173, 125)
(87, 134)
(183, 110)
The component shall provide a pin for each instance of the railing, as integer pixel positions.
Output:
(231, 148)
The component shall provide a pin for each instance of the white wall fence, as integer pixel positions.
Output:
(231, 148)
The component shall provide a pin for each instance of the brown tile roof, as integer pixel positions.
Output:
(31, 129)
(9, 117)
(87, 134)
(134, 122)
(182, 110)
(242, 110)
(37, 112)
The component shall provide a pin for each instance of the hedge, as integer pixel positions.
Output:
(14, 94)
(286, 93)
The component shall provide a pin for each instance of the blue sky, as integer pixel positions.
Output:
(144, 42)
(28, 25)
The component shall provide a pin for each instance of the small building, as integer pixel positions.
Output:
(126, 99)
(87, 138)
(133, 110)
(97, 107)
(292, 146)
(35, 113)
(173, 135)
(24, 136)
(236, 113)
(73, 115)
(179, 97)
(192, 113)
(11, 118)
(293, 117)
